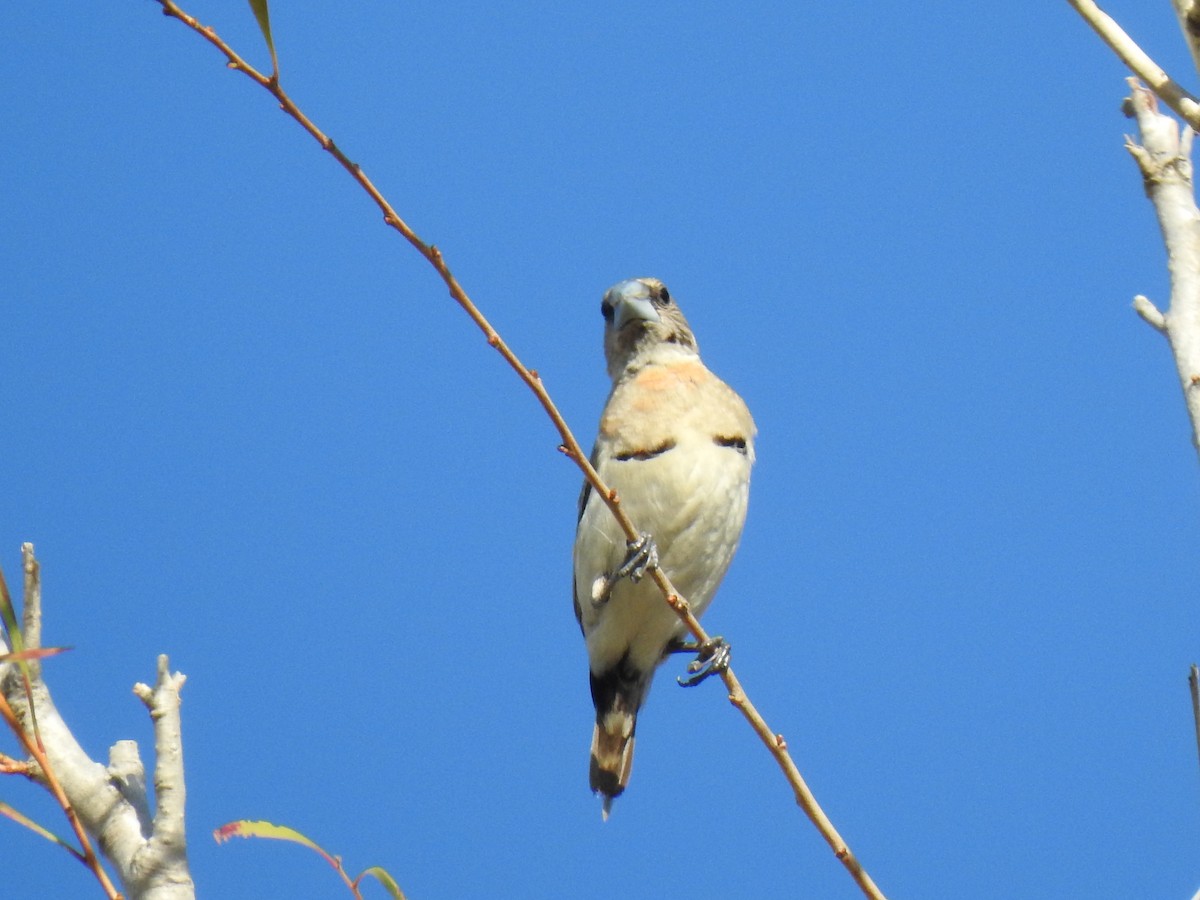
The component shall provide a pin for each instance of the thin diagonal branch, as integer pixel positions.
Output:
(570, 446)
(1194, 686)
(1169, 91)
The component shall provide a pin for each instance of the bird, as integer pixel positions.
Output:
(676, 444)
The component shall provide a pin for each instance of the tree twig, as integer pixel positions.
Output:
(1150, 313)
(570, 446)
(1194, 685)
(31, 605)
(1169, 91)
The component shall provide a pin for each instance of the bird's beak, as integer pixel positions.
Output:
(631, 302)
(631, 308)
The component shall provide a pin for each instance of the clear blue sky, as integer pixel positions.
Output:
(245, 426)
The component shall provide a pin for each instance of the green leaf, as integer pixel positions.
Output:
(381, 875)
(247, 829)
(263, 14)
(9, 616)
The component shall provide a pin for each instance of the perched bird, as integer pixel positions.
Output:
(677, 444)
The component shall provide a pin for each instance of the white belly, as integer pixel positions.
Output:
(692, 499)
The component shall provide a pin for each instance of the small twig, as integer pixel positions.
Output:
(31, 606)
(10, 766)
(1169, 91)
(570, 446)
(1194, 684)
(1145, 308)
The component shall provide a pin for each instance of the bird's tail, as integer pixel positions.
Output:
(617, 701)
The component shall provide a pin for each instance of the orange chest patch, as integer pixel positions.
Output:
(655, 397)
(679, 376)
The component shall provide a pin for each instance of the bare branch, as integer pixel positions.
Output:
(167, 846)
(570, 446)
(1145, 308)
(10, 766)
(1164, 158)
(128, 775)
(1170, 92)
(31, 605)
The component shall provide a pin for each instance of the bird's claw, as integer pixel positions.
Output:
(712, 658)
(642, 557)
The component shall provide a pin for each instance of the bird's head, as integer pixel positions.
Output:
(643, 324)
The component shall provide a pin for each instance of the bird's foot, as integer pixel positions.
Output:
(712, 658)
(642, 557)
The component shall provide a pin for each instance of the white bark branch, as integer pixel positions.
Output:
(31, 603)
(1164, 157)
(1183, 103)
(1145, 308)
(128, 775)
(166, 850)
(150, 862)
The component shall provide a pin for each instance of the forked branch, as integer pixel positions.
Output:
(146, 848)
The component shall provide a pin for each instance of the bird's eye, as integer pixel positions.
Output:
(606, 310)
(664, 296)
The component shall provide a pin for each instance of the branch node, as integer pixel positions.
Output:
(1150, 313)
